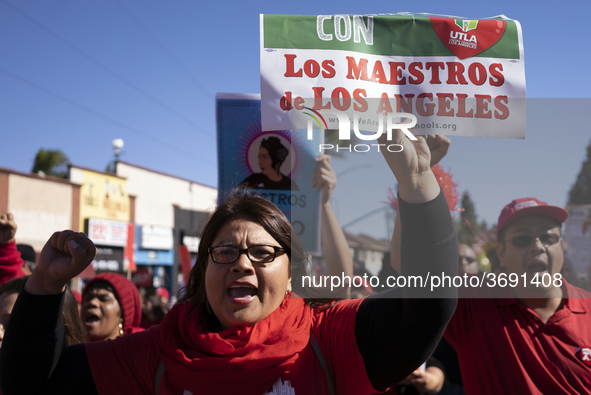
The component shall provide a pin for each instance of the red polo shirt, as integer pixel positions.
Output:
(504, 348)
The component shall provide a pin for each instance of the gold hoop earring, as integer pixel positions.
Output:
(120, 329)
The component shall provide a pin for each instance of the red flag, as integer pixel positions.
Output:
(128, 254)
(185, 260)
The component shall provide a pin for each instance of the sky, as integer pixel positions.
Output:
(76, 75)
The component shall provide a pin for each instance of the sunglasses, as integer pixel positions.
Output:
(547, 239)
(258, 254)
(468, 259)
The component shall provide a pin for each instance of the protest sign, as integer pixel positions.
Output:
(577, 229)
(457, 76)
(277, 163)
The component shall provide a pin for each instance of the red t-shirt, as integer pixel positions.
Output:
(128, 364)
(504, 348)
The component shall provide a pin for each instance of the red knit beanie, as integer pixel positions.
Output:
(77, 296)
(127, 295)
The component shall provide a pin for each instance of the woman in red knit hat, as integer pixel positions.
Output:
(238, 329)
(110, 307)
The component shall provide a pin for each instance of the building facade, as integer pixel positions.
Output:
(41, 205)
(171, 205)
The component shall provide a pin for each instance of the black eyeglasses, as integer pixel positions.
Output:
(258, 254)
(468, 259)
(547, 239)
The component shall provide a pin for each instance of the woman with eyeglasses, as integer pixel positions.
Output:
(240, 327)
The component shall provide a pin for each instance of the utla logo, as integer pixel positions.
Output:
(584, 354)
(529, 203)
(463, 39)
(466, 37)
(466, 26)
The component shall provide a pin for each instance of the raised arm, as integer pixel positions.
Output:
(336, 250)
(65, 255)
(397, 332)
(438, 147)
(10, 259)
(33, 359)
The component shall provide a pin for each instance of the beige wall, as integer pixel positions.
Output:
(40, 207)
(3, 193)
(157, 193)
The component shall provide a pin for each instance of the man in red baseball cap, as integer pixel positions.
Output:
(528, 242)
(534, 336)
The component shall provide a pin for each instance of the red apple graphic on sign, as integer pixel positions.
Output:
(467, 38)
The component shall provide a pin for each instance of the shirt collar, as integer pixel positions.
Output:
(506, 297)
(572, 298)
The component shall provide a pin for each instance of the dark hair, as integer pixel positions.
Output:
(246, 204)
(101, 284)
(73, 329)
(27, 252)
(159, 309)
(277, 151)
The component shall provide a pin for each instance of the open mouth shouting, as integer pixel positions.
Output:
(537, 264)
(537, 268)
(241, 292)
(90, 319)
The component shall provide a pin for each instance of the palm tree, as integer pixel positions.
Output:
(51, 162)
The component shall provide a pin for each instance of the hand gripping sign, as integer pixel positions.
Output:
(384, 124)
(457, 76)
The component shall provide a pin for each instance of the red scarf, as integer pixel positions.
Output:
(238, 360)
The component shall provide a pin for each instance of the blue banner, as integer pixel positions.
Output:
(277, 163)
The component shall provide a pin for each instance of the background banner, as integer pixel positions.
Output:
(577, 229)
(249, 156)
(466, 74)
